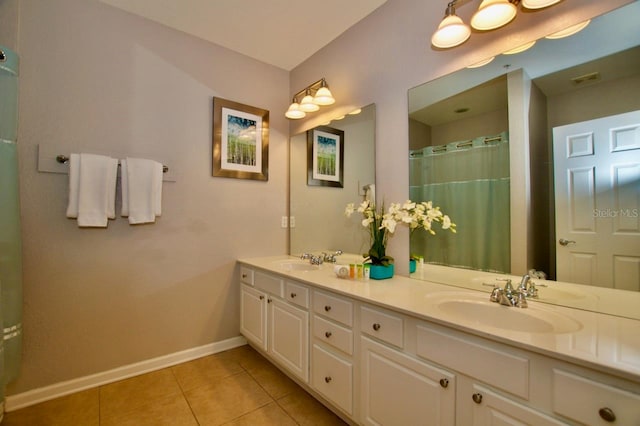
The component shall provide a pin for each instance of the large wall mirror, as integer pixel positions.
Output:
(562, 118)
(318, 211)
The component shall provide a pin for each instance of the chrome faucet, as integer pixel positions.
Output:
(331, 257)
(508, 296)
(314, 260)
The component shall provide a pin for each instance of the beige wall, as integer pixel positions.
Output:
(96, 79)
(9, 23)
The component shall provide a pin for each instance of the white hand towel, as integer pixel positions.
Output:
(92, 189)
(141, 190)
(74, 185)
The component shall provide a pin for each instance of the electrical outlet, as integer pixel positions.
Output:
(284, 223)
(292, 221)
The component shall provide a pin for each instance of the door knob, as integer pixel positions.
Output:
(564, 242)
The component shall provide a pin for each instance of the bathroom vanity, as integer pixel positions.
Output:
(409, 352)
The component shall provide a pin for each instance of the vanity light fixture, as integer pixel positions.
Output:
(481, 63)
(491, 14)
(452, 31)
(315, 96)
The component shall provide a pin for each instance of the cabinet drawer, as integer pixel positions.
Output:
(297, 294)
(268, 283)
(333, 378)
(382, 325)
(246, 275)
(333, 307)
(590, 402)
(333, 334)
(493, 366)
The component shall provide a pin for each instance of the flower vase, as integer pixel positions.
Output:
(412, 266)
(381, 272)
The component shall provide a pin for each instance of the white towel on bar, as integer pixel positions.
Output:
(92, 189)
(141, 190)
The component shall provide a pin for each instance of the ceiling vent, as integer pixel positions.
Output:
(591, 77)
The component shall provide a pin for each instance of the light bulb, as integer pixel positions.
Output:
(323, 97)
(307, 104)
(451, 32)
(294, 112)
(492, 14)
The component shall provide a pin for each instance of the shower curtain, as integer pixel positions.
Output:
(469, 180)
(10, 240)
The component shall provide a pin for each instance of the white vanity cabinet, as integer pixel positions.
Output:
(273, 324)
(375, 364)
(332, 366)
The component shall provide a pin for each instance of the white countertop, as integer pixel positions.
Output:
(604, 342)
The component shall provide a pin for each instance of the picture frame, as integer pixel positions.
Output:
(325, 157)
(240, 146)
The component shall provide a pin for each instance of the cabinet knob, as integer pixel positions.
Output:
(444, 382)
(607, 414)
(376, 326)
(269, 300)
(327, 334)
(261, 297)
(328, 379)
(293, 295)
(477, 398)
(327, 308)
(244, 275)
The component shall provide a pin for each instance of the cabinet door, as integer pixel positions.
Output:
(399, 390)
(492, 409)
(289, 337)
(253, 316)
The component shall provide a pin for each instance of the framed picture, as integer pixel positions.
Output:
(240, 141)
(325, 157)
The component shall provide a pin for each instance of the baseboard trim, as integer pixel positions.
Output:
(35, 396)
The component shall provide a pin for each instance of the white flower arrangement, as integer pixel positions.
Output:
(381, 224)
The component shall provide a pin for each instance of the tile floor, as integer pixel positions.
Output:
(235, 387)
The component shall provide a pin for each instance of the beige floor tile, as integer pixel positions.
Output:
(269, 415)
(247, 357)
(206, 370)
(227, 399)
(170, 411)
(78, 409)
(127, 395)
(307, 411)
(274, 381)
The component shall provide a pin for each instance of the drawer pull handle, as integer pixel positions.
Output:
(327, 334)
(607, 414)
(444, 382)
(376, 326)
(477, 398)
(327, 308)
(261, 297)
(328, 379)
(293, 295)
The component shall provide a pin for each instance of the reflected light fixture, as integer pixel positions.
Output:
(538, 4)
(492, 14)
(481, 63)
(520, 48)
(569, 31)
(315, 96)
(452, 31)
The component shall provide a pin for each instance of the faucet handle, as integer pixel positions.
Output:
(521, 300)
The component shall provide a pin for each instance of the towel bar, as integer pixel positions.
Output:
(63, 159)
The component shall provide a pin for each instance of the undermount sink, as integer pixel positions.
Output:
(297, 265)
(469, 308)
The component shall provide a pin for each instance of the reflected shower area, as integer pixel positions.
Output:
(460, 161)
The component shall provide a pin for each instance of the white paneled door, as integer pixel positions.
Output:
(597, 192)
